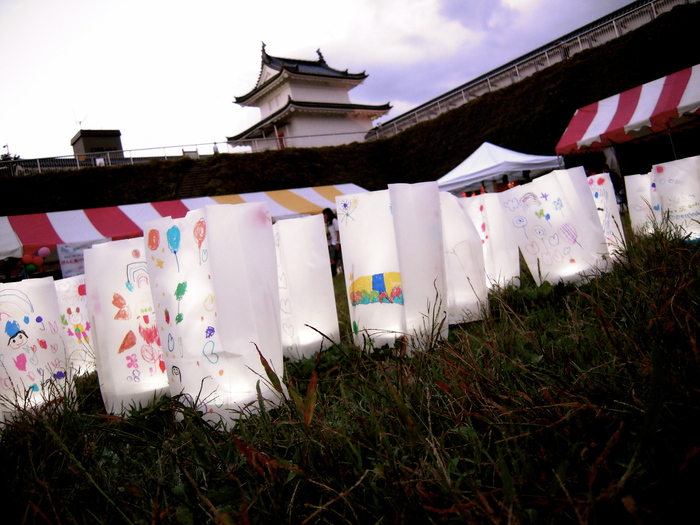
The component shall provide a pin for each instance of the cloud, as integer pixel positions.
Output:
(523, 6)
(165, 72)
(369, 33)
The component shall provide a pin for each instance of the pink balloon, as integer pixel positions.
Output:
(200, 232)
(43, 252)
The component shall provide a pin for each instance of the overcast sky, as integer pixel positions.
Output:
(165, 72)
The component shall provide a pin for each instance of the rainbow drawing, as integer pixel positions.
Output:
(14, 303)
(137, 273)
(529, 199)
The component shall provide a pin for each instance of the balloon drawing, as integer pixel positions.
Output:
(200, 232)
(153, 239)
(520, 222)
(173, 235)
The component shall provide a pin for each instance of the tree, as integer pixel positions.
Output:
(7, 155)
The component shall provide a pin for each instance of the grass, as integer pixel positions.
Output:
(574, 404)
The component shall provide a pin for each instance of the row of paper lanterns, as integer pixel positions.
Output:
(196, 305)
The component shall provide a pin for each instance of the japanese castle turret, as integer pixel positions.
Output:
(304, 104)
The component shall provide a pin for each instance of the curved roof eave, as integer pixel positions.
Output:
(305, 66)
(320, 106)
(285, 72)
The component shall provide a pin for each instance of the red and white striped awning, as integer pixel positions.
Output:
(658, 105)
(22, 234)
(37, 230)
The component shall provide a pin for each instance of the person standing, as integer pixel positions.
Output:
(333, 240)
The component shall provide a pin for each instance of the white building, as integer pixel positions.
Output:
(305, 104)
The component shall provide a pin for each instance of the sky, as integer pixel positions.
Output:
(166, 72)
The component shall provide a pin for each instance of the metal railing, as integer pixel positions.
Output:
(594, 34)
(20, 167)
(301, 141)
(597, 33)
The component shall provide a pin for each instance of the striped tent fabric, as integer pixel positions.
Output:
(21, 234)
(285, 204)
(86, 226)
(650, 108)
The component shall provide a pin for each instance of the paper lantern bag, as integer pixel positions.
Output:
(642, 202)
(371, 268)
(501, 255)
(393, 258)
(71, 293)
(33, 358)
(214, 282)
(417, 219)
(678, 186)
(608, 210)
(467, 292)
(307, 299)
(127, 343)
(555, 223)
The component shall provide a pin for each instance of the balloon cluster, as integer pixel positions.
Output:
(34, 262)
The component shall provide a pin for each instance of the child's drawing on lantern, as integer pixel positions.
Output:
(34, 351)
(678, 187)
(123, 311)
(378, 288)
(559, 233)
(18, 337)
(137, 275)
(608, 211)
(72, 301)
(77, 326)
(126, 338)
(212, 304)
(347, 207)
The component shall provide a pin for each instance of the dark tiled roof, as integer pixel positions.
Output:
(299, 104)
(312, 68)
(316, 67)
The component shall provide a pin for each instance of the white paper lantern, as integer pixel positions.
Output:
(394, 260)
(371, 268)
(678, 186)
(126, 339)
(608, 210)
(71, 293)
(419, 243)
(308, 314)
(555, 223)
(642, 203)
(214, 283)
(501, 254)
(33, 358)
(467, 292)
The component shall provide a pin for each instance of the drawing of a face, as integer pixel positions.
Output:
(75, 317)
(148, 329)
(17, 336)
(19, 340)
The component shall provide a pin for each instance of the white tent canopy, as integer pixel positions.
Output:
(491, 162)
